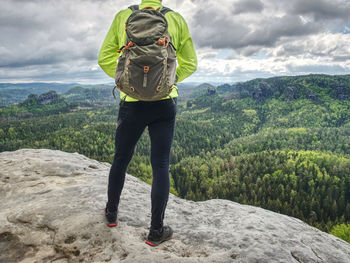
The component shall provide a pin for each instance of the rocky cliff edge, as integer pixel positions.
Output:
(51, 210)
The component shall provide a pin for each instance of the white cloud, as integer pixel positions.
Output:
(59, 40)
(322, 53)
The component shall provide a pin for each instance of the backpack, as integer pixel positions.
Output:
(146, 69)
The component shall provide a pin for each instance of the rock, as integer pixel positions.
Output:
(52, 211)
(262, 91)
(341, 92)
(211, 91)
(291, 93)
(310, 95)
(48, 98)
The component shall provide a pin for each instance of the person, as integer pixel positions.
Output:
(135, 115)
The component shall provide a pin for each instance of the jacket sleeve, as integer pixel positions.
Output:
(186, 54)
(107, 57)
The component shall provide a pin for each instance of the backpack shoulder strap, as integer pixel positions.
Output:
(165, 10)
(134, 7)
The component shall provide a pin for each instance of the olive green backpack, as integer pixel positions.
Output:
(146, 69)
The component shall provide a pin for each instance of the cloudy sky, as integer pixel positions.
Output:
(236, 40)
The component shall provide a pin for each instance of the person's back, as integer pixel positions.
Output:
(180, 38)
(137, 114)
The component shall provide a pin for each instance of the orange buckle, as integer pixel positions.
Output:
(132, 88)
(119, 88)
(161, 42)
(145, 69)
(171, 88)
(130, 44)
(158, 88)
(150, 8)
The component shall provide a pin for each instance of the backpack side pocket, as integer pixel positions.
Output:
(171, 71)
(119, 71)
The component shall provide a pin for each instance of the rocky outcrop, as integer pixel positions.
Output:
(48, 98)
(310, 95)
(51, 210)
(291, 93)
(341, 92)
(262, 92)
(211, 91)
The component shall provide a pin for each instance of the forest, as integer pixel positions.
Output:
(281, 143)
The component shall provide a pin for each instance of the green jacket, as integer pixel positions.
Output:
(178, 30)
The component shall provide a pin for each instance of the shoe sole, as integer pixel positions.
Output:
(155, 244)
(113, 224)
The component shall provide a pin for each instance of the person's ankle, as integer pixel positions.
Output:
(156, 228)
(111, 208)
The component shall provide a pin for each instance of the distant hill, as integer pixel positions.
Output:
(50, 97)
(190, 91)
(314, 86)
(45, 104)
(38, 87)
(99, 94)
(13, 93)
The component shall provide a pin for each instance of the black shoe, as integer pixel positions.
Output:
(111, 218)
(155, 237)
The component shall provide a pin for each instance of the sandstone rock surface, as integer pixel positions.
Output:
(51, 210)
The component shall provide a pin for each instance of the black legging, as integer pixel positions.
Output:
(133, 118)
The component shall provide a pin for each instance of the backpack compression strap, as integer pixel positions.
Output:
(134, 7)
(163, 11)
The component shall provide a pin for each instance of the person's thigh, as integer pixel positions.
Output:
(129, 130)
(161, 133)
